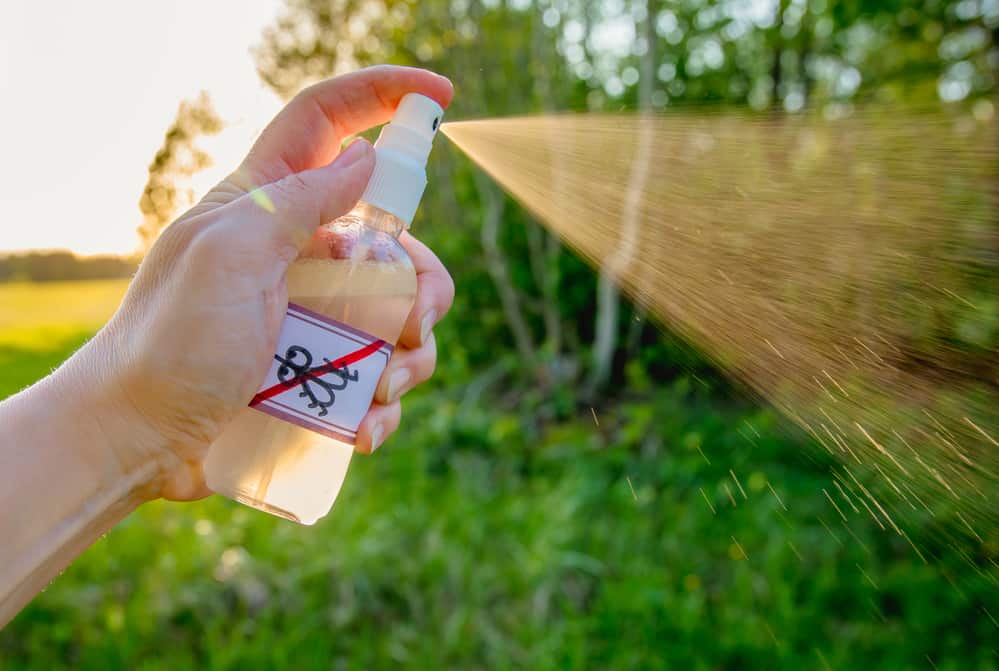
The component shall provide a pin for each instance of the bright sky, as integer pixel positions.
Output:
(87, 90)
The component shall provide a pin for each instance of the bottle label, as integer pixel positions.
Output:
(323, 375)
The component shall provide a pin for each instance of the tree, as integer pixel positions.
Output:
(507, 60)
(178, 159)
(539, 56)
(607, 325)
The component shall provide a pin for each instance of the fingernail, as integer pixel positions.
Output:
(397, 382)
(376, 436)
(426, 324)
(353, 153)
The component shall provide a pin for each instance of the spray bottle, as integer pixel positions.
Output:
(349, 293)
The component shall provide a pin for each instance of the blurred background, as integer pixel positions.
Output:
(561, 495)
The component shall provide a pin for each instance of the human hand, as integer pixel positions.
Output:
(198, 327)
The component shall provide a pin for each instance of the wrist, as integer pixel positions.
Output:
(85, 398)
(66, 472)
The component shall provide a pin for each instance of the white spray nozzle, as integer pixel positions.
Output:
(401, 153)
(419, 114)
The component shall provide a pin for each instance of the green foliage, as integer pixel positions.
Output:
(643, 534)
(510, 524)
(534, 56)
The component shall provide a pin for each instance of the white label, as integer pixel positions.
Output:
(323, 376)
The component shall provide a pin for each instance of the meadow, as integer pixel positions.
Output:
(679, 526)
(42, 323)
(578, 487)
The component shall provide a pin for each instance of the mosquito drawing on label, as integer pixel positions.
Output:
(293, 372)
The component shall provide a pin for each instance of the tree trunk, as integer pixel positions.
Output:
(608, 299)
(777, 68)
(492, 216)
(646, 82)
(995, 136)
(543, 246)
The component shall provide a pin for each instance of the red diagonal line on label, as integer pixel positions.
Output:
(345, 360)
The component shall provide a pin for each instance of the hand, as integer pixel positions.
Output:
(196, 331)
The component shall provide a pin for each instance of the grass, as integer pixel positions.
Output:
(25, 306)
(479, 538)
(41, 324)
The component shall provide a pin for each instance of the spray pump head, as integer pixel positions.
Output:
(401, 153)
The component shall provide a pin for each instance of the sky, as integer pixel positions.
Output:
(87, 91)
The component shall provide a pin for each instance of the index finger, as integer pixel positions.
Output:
(434, 292)
(308, 132)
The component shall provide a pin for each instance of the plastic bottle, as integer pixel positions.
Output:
(353, 286)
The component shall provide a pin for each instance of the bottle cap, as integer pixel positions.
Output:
(401, 153)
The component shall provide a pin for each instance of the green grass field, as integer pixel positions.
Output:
(41, 324)
(477, 539)
(85, 304)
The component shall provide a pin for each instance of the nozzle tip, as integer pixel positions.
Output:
(419, 113)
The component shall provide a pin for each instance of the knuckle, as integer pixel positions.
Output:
(293, 187)
(208, 245)
(293, 199)
(306, 97)
(380, 69)
(178, 236)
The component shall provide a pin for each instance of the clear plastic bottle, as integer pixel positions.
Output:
(356, 272)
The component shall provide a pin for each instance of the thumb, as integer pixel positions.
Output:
(302, 201)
